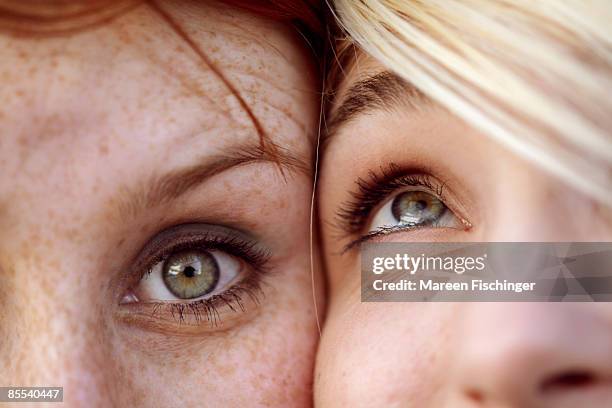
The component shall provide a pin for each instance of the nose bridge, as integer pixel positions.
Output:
(514, 354)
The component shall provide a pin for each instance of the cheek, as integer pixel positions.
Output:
(398, 349)
(253, 369)
(267, 362)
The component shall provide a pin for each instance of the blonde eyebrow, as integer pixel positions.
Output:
(382, 91)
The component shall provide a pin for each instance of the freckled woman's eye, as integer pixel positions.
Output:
(195, 262)
(413, 209)
(195, 273)
(191, 274)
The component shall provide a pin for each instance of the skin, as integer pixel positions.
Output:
(455, 354)
(91, 119)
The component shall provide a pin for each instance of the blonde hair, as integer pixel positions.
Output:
(535, 75)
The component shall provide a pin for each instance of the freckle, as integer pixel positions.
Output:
(51, 214)
(120, 243)
(226, 370)
(53, 264)
(73, 233)
(34, 238)
(23, 141)
(103, 149)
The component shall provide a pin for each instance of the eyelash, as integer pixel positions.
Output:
(372, 191)
(207, 310)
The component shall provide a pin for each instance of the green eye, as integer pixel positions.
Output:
(411, 209)
(415, 208)
(190, 274)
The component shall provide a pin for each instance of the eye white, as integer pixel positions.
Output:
(384, 218)
(152, 287)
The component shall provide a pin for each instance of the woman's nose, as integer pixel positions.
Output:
(534, 355)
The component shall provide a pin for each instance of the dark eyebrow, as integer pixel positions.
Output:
(382, 91)
(165, 188)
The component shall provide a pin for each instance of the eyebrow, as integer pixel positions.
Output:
(162, 189)
(382, 91)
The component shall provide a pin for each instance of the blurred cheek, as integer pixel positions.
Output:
(396, 349)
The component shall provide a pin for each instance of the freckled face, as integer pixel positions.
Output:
(121, 148)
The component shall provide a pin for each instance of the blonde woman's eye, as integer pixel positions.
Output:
(411, 209)
(393, 199)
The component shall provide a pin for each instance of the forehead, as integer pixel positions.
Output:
(141, 79)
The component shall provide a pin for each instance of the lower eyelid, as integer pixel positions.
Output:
(242, 302)
(167, 321)
(439, 234)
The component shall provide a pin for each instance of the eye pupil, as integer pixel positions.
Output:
(189, 271)
(420, 205)
(191, 274)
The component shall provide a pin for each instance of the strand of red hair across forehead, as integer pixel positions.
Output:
(307, 12)
(59, 18)
(179, 30)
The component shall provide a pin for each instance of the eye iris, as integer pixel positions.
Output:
(417, 208)
(191, 274)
